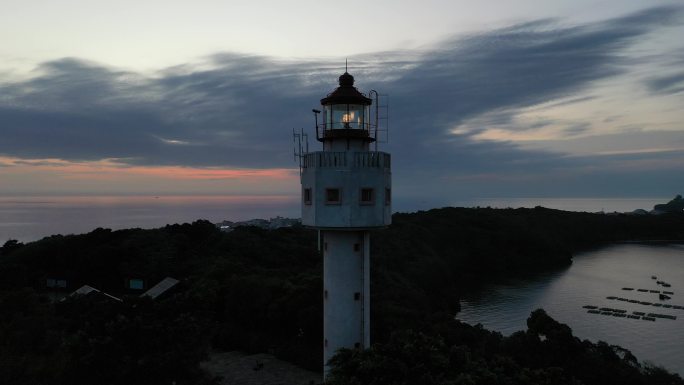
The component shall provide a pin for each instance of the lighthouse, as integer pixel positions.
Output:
(346, 192)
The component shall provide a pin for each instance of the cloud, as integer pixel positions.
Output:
(670, 84)
(237, 111)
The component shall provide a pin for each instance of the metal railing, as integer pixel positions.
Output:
(370, 159)
(374, 159)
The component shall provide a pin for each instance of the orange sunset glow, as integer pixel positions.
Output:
(108, 175)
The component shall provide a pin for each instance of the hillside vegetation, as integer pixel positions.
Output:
(261, 291)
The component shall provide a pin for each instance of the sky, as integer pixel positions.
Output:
(569, 98)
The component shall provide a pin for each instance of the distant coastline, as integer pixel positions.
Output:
(32, 218)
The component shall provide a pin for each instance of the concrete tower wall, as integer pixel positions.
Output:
(346, 191)
(346, 296)
(350, 173)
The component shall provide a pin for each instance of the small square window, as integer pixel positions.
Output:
(357, 345)
(357, 247)
(325, 294)
(135, 284)
(325, 342)
(332, 196)
(307, 196)
(388, 196)
(367, 196)
(357, 296)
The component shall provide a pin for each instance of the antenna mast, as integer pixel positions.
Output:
(301, 147)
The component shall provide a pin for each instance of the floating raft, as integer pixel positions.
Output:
(642, 290)
(666, 316)
(645, 303)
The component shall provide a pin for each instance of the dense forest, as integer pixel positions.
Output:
(261, 290)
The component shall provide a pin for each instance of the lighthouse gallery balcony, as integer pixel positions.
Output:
(340, 159)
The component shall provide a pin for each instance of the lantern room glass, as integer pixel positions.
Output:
(350, 116)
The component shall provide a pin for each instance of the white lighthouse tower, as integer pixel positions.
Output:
(346, 191)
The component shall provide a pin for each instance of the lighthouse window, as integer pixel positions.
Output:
(307, 196)
(357, 296)
(367, 196)
(388, 196)
(332, 196)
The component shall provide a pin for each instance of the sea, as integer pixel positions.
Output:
(30, 218)
(591, 278)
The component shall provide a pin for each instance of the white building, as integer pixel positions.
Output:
(346, 191)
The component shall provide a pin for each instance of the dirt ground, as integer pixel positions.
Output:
(238, 368)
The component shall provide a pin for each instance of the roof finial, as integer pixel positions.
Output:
(345, 64)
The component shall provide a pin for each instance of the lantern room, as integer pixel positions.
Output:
(346, 112)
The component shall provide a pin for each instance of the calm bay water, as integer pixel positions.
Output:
(31, 218)
(591, 278)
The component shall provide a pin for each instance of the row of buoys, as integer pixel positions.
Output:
(646, 303)
(622, 314)
(666, 316)
(665, 284)
(648, 291)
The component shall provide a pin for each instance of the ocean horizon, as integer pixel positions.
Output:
(30, 218)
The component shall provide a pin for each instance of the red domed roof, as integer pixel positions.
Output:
(346, 93)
